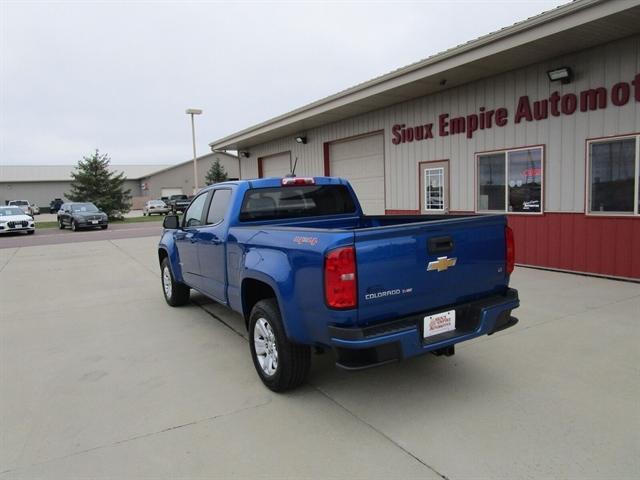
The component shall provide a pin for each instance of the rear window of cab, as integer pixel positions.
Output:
(295, 202)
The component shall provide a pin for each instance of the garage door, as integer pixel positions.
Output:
(276, 165)
(167, 192)
(361, 161)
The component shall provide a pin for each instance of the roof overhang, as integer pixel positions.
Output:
(568, 28)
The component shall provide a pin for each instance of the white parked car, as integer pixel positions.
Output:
(13, 219)
(155, 206)
(25, 205)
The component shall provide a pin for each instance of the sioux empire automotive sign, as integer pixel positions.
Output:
(526, 111)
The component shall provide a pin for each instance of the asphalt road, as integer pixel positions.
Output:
(55, 236)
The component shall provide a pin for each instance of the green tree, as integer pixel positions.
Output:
(94, 182)
(216, 173)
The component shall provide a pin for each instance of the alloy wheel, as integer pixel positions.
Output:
(166, 282)
(264, 341)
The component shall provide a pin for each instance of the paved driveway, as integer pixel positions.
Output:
(99, 378)
(54, 236)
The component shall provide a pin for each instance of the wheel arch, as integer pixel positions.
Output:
(252, 291)
(162, 254)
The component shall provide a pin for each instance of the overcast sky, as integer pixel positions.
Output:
(75, 76)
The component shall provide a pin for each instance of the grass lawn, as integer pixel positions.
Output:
(151, 218)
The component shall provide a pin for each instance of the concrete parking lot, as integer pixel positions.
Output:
(100, 378)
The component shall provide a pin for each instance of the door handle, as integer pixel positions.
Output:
(440, 244)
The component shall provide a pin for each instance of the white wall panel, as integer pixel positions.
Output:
(277, 165)
(564, 136)
(361, 161)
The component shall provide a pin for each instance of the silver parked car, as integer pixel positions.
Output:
(155, 206)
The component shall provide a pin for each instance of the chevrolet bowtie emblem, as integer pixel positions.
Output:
(441, 264)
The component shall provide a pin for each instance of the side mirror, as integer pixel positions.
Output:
(171, 222)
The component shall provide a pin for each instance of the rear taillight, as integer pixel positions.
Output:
(511, 250)
(340, 278)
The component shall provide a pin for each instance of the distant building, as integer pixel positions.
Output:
(42, 183)
(176, 179)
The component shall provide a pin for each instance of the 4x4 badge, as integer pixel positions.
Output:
(442, 263)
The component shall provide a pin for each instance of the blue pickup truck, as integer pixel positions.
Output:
(308, 270)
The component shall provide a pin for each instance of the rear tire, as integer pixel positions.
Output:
(281, 364)
(175, 293)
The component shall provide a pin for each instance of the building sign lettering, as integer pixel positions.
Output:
(526, 111)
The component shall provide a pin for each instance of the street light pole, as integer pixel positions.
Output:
(192, 112)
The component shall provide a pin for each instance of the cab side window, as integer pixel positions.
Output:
(193, 215)
(218, 208)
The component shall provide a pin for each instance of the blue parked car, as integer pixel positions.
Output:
(306, 268)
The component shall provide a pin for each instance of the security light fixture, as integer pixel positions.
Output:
(301, 139)
(564, 74)
(245, 154)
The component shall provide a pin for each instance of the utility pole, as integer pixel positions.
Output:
(192, 112)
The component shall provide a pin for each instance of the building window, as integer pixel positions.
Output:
(614, 171)
(434, 189)
(510, 181)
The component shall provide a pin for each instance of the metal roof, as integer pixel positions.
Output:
(176, 165)
(568, 28)
(62, 173)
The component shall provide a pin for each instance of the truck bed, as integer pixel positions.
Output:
(358, 222)
(394, 254)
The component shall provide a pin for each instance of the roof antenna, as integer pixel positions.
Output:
(293, 170)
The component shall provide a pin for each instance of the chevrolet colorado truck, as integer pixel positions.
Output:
(308, 270)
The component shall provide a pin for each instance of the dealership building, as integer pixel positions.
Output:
(539, 121)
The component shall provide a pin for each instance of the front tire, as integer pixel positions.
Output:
(281, 364)
(74, 226)
(104, 227)
(31, 232)
(176, 294)
(60, 224)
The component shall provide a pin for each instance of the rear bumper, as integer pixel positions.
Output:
(362, 347)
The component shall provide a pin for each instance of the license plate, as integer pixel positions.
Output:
(94, 222)
(439, 323)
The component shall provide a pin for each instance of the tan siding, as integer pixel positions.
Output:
(564, 137)
(41, 193)
(181, 176)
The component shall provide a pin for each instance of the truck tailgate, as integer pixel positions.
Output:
(394, 278)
